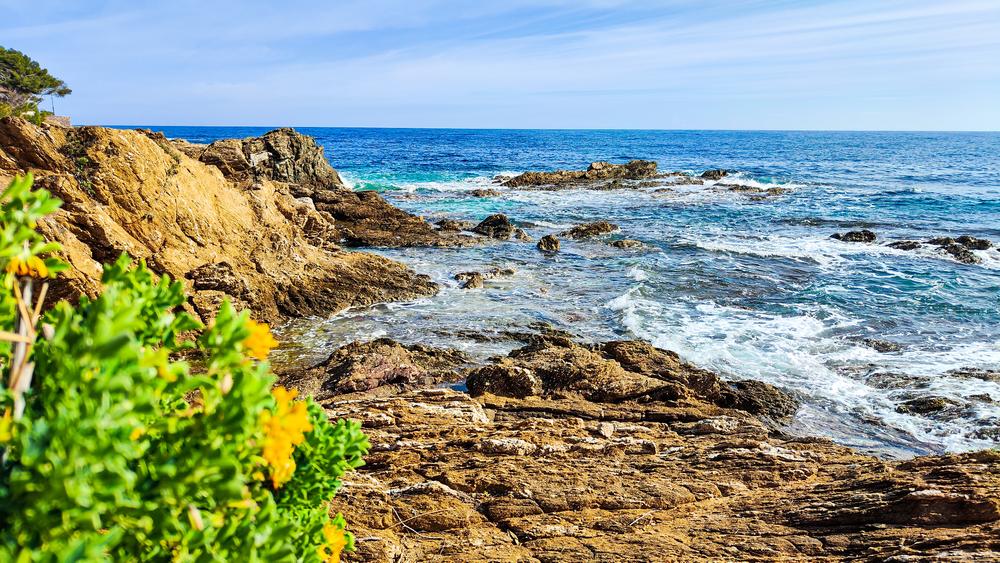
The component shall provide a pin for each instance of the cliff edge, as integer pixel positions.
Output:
(226, 231)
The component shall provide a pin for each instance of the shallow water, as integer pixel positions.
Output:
(749, 288)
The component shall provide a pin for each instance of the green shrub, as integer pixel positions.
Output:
(119, 451)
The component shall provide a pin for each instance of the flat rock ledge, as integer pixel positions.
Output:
(622, 452)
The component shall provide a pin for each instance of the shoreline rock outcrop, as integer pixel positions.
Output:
(356, 218)
(619, 451)
(597, 171)
(247, 238)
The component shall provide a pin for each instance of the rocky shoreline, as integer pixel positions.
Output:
(559, 451)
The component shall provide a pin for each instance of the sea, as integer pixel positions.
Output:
(750, 286)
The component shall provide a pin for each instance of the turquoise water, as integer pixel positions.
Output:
(750, 288)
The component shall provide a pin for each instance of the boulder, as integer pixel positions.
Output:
(717, 174)
(470, 280)
(974, 243)
(378, 366)
(961, 253)
(548, 243)
(905, 245)
(485, 193)
(627, 243)
(863, 235)
(496, 226)
(454, 225)
(588, 230)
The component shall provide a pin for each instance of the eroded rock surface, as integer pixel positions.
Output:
(596, 172)
(620, 452)
(588, 230)
(250, 239)
(355, 218)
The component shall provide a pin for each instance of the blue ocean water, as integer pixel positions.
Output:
(750, 287)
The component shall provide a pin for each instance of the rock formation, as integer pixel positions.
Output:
(227, 232)
(548, 243)
(597, 171)
(588, 230)
(359, 218)
(621, 452)
(863, 235)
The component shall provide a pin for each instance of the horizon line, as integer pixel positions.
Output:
(720, 130)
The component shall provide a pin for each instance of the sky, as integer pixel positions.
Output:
(672, 64)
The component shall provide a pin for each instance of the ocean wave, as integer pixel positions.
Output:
(802, 353)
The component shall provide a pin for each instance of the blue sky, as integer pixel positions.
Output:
(678, 64)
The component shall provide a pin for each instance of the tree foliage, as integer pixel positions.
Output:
(119, 451)
(23, 82)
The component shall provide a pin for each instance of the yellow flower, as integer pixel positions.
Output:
(136, 433)
(336, 541)
(6, 427)
(284, 429)
(260, 341)
(33, 266)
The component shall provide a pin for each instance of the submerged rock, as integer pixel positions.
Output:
(548, 243)
(863, 235)
(627, 243)
(961, 248)
(880, 345)
(961, 253)
(587, 230)
(905, 244)
(485, 193)
(470, 280)
(593, 175)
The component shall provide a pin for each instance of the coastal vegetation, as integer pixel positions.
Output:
(23, 83)
(131, 431)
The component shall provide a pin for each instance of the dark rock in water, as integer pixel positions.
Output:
(925, 405)
(714, 174)
(941, 241)
(496, 226)
(863, 235)
(548, 243)
(521, 235)
(974, 243)
(976, 373)
(454, 225)
(470, 280)
(499, 272)
(596, 172)
(485, 193)
(883, 346)
(741, 188)
(905, 245)
(588, 230)
(626, 243)
(761, 399)
(961, 253)
(380, 363)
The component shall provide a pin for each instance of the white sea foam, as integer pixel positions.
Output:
(800, 353)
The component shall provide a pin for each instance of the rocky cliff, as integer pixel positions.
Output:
(231, 222)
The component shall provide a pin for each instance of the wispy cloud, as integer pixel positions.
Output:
(557, 63)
